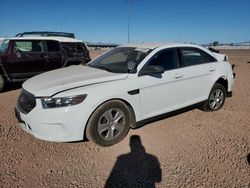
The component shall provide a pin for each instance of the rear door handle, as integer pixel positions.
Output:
(211, 69)
(178, 75)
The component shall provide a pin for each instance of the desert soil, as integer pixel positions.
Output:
(192, 149)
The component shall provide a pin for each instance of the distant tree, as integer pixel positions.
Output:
(216, 43)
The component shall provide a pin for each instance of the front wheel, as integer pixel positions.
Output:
(109, 124)
(216, 98)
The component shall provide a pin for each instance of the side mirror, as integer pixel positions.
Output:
(152, 70)
(132, 67)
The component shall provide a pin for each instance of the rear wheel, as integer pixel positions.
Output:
(2, 83)
(216, 98)
(109, 124)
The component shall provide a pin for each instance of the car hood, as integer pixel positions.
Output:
(52, 82)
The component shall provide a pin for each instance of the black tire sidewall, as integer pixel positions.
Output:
(92, 129)
(2, 83)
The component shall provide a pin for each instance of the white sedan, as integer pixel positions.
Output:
(120, 89)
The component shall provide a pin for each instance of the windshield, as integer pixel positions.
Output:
(3, 45)
(116, 60)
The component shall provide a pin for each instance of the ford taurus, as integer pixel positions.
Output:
(121, 88)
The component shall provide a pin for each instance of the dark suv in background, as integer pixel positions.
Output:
(31, 53)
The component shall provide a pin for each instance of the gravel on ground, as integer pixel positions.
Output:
(192, 149)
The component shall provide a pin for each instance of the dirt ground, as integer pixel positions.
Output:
(192, 149)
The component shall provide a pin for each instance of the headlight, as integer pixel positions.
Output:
(62, 101)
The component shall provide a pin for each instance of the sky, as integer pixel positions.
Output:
(197, 21)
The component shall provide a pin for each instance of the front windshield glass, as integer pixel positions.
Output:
(3, 45)
(116, 60)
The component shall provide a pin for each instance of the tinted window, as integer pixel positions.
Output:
(70, 47)
(28, 46)
(167, 59)
(80, 48)
(53, 46)
(194, 56)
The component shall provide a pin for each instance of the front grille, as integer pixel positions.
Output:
(26, 102)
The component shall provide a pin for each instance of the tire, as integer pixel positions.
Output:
(216, 98)
(104, 127)
(2, 83)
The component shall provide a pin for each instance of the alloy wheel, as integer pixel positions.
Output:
(111, 124)
(216, 99)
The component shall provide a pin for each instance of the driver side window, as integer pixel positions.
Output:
(167, 59)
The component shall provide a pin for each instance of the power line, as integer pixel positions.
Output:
(107, 18)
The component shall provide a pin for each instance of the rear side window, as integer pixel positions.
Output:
(53, 46)
(80, 48)
(28, 46)
(70, 48)
(195, 56)
(166, 58)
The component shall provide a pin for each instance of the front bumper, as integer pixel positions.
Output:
(64, 124)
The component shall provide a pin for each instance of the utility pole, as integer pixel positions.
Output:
(61, 25)
(129, 12)
(129, 17)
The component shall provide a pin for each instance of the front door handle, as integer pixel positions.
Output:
(178, 75)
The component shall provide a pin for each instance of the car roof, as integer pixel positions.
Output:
(59, 39)
(158, 45)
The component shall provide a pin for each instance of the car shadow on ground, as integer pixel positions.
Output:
(135, 169)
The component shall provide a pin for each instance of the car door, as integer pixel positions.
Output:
(162, 93)
(52, 55)
(25, 59)
(197, 70)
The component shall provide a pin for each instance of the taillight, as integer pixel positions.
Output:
(225, 58)
(234, 74)
(233, 65)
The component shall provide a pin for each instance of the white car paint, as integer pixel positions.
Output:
(175, 89)
(58, 80)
